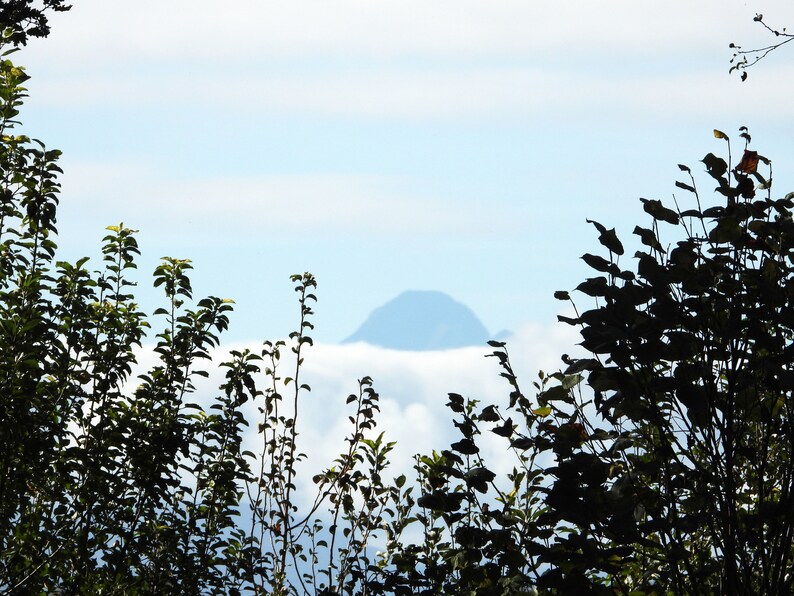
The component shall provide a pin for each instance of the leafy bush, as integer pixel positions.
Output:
(110, 488)
(662, 462)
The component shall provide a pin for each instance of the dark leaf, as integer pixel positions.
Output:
(455, 403)
(599, 263)
(489, 414)
(608, 238)
(715, 166)
(465, 446)
(504, 430)
(648, 238)
(595, 286)
(658, 211)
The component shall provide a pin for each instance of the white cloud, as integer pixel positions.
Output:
(413, 388)
(420, 93)
(279, 204)
(361, 92)
(249, 30)
(404, 59)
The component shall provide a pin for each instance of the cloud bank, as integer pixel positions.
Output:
(413, 388)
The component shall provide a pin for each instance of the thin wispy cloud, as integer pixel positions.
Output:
(401, 60)
(284, 205)
(251, 30)
(496, 93)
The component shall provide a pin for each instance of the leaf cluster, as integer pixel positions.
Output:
(662, 461)
(23, 19)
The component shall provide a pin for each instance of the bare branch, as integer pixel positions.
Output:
(743, 59)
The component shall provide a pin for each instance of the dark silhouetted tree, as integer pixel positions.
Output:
(661, 462)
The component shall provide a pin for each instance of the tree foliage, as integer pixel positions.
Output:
(22, 19)
(661, 462)
(108, 485)
(691, 370)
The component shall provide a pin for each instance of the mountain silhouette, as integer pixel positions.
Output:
(421, 320)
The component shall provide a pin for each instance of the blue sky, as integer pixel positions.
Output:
(453, 145)
(384, 146)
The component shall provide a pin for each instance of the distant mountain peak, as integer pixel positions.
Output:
(421, 320)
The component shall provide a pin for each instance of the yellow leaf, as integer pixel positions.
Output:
(720, 135)
(542, 412)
